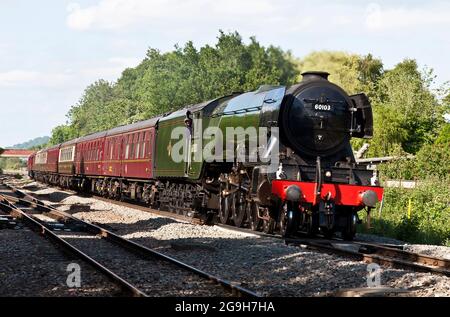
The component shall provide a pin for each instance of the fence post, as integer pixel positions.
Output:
(409, 209)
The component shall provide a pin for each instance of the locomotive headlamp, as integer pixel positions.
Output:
(328, 173)
(293, 193)
(369, 198)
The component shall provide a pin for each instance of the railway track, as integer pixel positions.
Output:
(138, 270)
(387, 255)
(383, 254)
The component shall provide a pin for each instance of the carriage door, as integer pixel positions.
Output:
(193, 140)
(120, 150)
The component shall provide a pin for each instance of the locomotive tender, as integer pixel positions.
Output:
(317, 186)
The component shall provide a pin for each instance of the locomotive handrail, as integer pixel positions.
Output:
(239, 111)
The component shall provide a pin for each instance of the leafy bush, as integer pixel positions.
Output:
(11, 163)
(429, 221)
(432, 160)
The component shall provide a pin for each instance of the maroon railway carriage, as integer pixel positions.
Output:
(66, 159)
(104, 162)
(111, 162)
(30, 164)
(45, 165)
(127, 161)
(129, 151)
(89, 154)
(47, 160)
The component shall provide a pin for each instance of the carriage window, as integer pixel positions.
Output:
(143, 150)
(137, 150)
(66, 154)
(132, 150)
(127, 151)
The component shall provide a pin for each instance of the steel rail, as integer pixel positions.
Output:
(163, 213)
(43, 230)
(387, 255)
(421, 259)
(368, 252)
(139, 249)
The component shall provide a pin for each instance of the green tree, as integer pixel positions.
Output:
(444, 135)
(61, 134)
(165, 82)
(354, 73)
(95, 110)
(406, 112)
(433, 160)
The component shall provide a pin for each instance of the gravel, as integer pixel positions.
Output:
(432, 250)
(262, 264)
(153, 277)
(378, 239)
(33, 266)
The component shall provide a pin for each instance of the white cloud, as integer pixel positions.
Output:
(125, 62)
(20, 78)
(109, 70)
(117, 14)
(17, 77)
(379, 18)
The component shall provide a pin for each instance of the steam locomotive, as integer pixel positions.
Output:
(316, 186)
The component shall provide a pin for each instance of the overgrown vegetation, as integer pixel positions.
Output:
(408, 113)
(419, 215)
(11, 164)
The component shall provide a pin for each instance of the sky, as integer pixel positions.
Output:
(51, 50)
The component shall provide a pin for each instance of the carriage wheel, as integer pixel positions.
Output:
(311, 226)
(252, 216)
(238, 208)
(268, 223)
(287, 223)
(349, 232)
(224, 210)
(268, 226)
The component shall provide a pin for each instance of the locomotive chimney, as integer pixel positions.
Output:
(314, 75)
